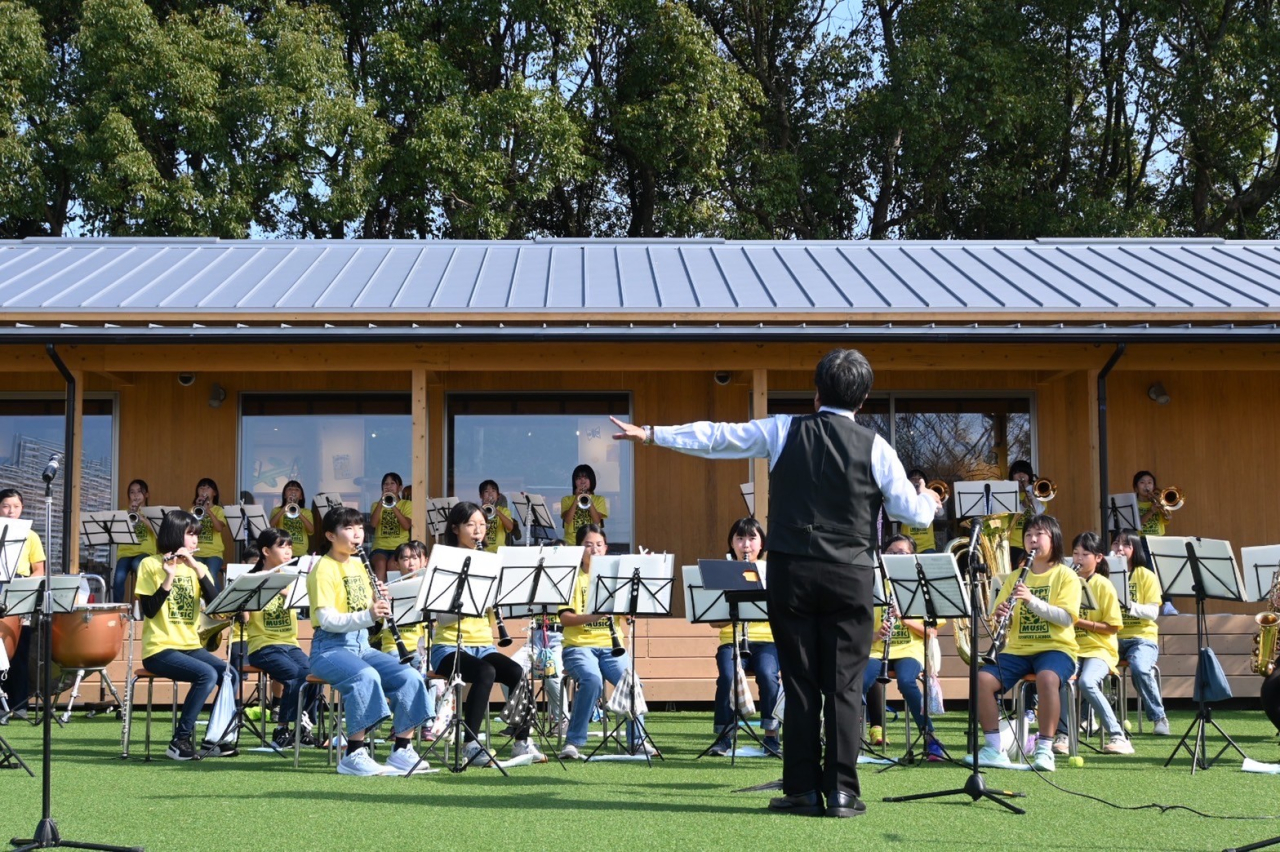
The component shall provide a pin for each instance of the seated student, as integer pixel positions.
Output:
(906, 639)
(1096, 638)
(391, 524)
(588, 653)
(298, 520)
(17, 686)
(501, 525)
(213, 524)
(170, 586)
(480, 663)
(1138, 635)
(584, 491)
(272, 634)
(130, 556)
(373, 686)
(1153, 519)
(1041, 613)
(746, 541)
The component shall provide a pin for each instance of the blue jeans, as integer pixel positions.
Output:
(373, 685)
(907, 670)
(591, 667)
(199, 668)
(125, 566)
(289, 665)
(763, 662)
(1093, 671)
(1142, 655)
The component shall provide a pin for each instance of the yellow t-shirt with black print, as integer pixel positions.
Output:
(1030, 634)
(1155, 525)
(496, 535)
(1108, 612)
(1144, 588)
(276, 624)
(174, 627)
(297, 531)
(757, 631)
(581, 517)
(922, 536)
(476, 632)
(903, 642)
(389, 534)
(211, 543)
(593, 634)
(146, 545)
(32, 552)
(340, 586)
(410, 634)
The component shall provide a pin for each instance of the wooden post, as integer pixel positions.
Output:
(760, 467)
(419, 472)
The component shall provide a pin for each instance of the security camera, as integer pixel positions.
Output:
(723, 377)
(186, 379)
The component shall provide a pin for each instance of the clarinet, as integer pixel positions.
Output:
(406, 656)
(888, 622)
(618, 650)
(1000, 633)
(504, 638)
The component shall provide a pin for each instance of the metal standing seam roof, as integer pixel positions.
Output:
(46, 281)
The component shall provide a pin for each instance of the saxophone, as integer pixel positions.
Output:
(1263, 661)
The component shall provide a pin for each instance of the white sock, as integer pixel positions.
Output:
(993, 739)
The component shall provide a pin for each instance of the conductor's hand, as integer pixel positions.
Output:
(1022, 593)
(937, 498)
(381, 609)
(630, 431)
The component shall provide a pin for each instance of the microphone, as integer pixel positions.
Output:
(51, 470)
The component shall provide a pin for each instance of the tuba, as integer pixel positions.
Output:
(1263, 660)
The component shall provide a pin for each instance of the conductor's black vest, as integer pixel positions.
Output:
(823, 498)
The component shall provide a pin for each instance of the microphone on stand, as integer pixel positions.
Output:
(51, 469)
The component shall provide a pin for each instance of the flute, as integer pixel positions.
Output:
(405, 654)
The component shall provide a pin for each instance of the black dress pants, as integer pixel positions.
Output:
(821, 615)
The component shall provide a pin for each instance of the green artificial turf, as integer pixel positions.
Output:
(259, 801)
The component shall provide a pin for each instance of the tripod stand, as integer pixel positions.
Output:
(740, 722)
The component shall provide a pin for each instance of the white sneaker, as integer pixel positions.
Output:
(474, 755)
(523, 747)
(644, 748)
(1061, 744)
(360, 762)
(405, 761)
(1118, 744)
(990, 758)
(1162, 727)
(1043, 759)
(570, 752)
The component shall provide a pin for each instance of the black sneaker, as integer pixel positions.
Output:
(181, 750)
(282, 737)
(310, 741)
(209, 749)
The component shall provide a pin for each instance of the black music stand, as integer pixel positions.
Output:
(731, 591)
(12, 602)
(438, 514)
(462, 583)
(631, 585)
(326, 502)
(1204, 568)
(108, 529)
(1122, 513)
(928, 587)
(987, 497)
(537, 517)
(247, 521)
(24, 595)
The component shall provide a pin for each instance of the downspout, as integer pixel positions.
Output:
(1102, 429)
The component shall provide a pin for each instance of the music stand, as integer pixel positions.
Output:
(537, 517)
(247, 521)
(246, 593)
(1261, 566)
(631, 585)
(326, 500)
(155, 514)
(103, 529)
(438, 514)
(1204, 568)
(986, 497)
(732, 591)
(1118, 567)
(26, 596)
(462, 583)
(13, 538)
(1122, 513)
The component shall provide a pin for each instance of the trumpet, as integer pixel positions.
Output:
(389, 500)
(1171, 499)
(292, 511)
(198, 512)
(134, 519)
(1000, 633)
(489, 511)
(584, 502)
(940, 488)
(504, 638)
(1044, 489)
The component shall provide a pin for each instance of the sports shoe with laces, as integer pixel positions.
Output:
(875, 736)
(360, 762)
(405, 761)
(772, 745)
(282, 737)
(1061, 744)
(990, 758)
(1118, 744)
(933, 751)
(722, 747)
(570, 752)
(643, 748)
(1043, 759)
(528, 747)
(474, 755)
(208, 749)
(181, 750)
(1162, 727)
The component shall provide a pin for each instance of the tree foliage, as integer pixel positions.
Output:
(572, 118)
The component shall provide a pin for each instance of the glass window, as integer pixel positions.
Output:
(532, 443)
(33, 429)
(339, 444)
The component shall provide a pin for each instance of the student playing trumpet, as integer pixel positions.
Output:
(584, 506)
(130, 556)
(1154, 517)
(497, 514)
(206, 506)
(293, 516)
(392, 521)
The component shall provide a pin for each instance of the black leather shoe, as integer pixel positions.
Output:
(842, 804)
(800, 804)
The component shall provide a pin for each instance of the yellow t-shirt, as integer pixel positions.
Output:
(1155, 525)
(903, 642)
(340, 586)
(277, 624)
(410, 633)
(1144, 588)
(1016, 527)
(211, 543)
(33, 551)
(146, 545)
(922, 536)
(1029, 633)
(757, 631)
(476, 632)
(389, 534)
(594, 634)
(496, 536)
(297, 532)
(581, 517)
(174, 626)
(1092, 644)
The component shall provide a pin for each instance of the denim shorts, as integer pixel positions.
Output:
(1011, 668)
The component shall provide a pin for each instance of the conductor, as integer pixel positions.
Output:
(829, 478)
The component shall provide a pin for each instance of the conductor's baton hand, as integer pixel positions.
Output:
(630, 431)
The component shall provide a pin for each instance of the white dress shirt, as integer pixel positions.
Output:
(765, 439)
